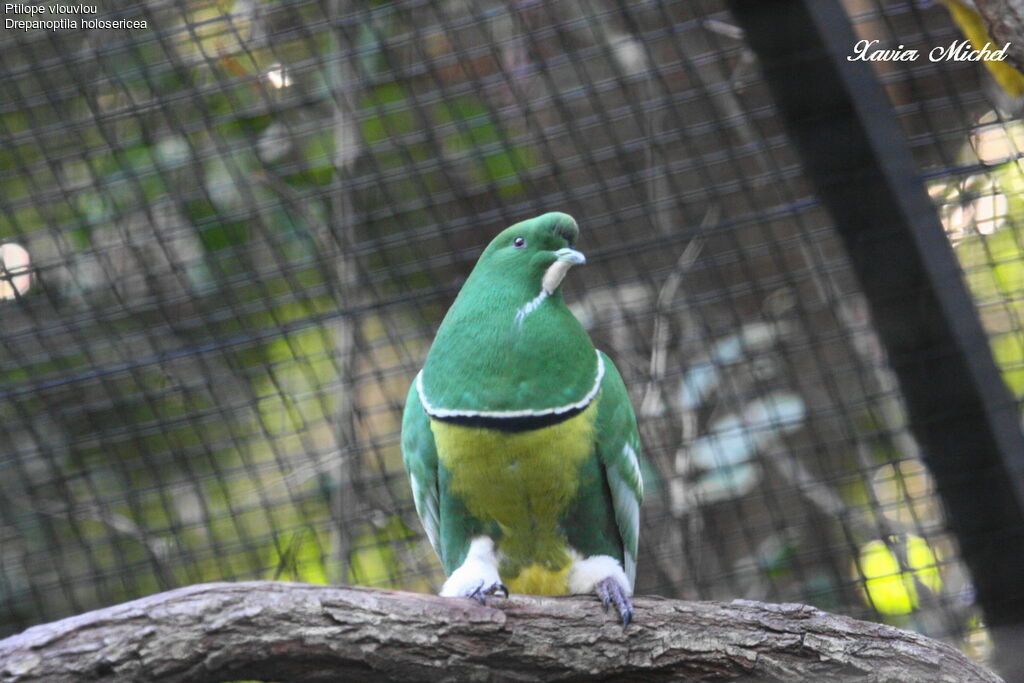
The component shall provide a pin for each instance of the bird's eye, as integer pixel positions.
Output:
(519, 242)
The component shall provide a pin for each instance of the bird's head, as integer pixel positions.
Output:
(510, 328)
(536, 253)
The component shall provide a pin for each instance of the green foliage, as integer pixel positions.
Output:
(1009, 352)
(993, 265)
(391, 114)
(467, 131)
(373, 561)
(889, 590)
(184, 161)
(298, 556)
(478, 134)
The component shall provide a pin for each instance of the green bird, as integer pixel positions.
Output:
(519, 437)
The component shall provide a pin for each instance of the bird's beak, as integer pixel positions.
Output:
(565, 259)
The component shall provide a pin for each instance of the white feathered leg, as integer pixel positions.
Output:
(477, 576)
(602, 574)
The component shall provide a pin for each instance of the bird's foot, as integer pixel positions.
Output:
(477, 577)
(477, 587)
(481, 592)
(611, 591)
(602, 574)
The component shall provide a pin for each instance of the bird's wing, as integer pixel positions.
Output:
(618, 446)
(420, 455)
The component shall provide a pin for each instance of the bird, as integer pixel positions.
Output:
(519, 438)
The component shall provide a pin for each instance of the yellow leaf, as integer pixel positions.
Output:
(889, 590)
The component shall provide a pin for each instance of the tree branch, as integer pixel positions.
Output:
(1005, 20)
(298, 632)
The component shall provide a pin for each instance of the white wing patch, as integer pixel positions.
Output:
(426, 508)
(627, 516)
(634, 462)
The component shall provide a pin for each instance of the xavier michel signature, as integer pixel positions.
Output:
(957, 51)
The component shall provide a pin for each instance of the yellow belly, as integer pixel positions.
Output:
(537, 580)
(523, 481)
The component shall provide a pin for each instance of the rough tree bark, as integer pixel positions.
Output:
(272, 631)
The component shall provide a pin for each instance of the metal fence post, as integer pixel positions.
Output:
(839, 117)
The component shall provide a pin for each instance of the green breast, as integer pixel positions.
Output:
(523, 481)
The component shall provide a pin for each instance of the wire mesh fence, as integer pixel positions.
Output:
(228, 238)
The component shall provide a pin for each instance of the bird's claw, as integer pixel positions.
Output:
(480, 593)
(610, 591)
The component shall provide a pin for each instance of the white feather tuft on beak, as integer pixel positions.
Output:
(553, 276)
